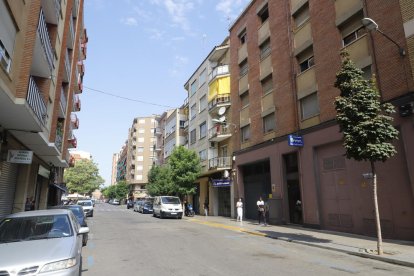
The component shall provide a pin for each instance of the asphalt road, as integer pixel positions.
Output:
(123, 242)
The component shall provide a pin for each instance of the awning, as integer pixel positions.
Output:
(57, 186)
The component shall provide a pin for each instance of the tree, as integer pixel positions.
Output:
(159, 181)
(83, 178)
(119, 191)
(185, 169)
(365, 122)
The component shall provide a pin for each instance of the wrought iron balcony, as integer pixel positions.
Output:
(59, 139)
(219, 133)
(63, 103)
(74, 121)
(218, 71)
(219, 101)
(220, 163)
(36, 102)
(71, 35)
(66, 75)
(45, 40)
(72, 142)
(76, 103)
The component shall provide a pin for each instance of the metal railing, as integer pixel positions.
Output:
(71, 32)
(219, 162)
(67, 65)
(58, 8)
(59, 140)
(45, 39)
(63, 101)
(36, 101)
(218, 71)
(219, 99)
(218, 130)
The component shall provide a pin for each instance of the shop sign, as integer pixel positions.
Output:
(20, 156)
(221, 182)
(296, 141)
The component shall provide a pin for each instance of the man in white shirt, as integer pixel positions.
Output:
(261, 210)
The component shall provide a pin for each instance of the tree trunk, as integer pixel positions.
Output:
(377, 216)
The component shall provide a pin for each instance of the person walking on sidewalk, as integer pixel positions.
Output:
(206, 208)
(261, 210)
(239, 206)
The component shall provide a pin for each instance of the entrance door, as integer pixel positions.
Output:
(224, 201)
(293, 188)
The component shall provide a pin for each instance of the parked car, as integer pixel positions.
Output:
(130, 204)
(115, 202)
(45, 242)
(167, 206)
(80, 216)
(136, 205)
(147, 207)
(87, 206)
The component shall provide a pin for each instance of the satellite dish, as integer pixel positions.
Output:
(222, 110)
(222, 119)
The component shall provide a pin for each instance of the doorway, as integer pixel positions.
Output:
(293, 188)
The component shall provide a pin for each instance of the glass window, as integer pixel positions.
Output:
(269, 123)
(141, 130)
(243, 67)
(203, 77)
(139, 168)
(267, 85)
(193, 111)
(193, 136)
(305, 59)
(264, 14)
(245, 133)
(203, 155)
(140, 158)
(138, 177)
(194, 87)
(203, 103)
(141, 139)
(243, 37)
(301, 16)
(141, 121)
(309, 106)
(265, 49)
(244, 99)
(203, 130)
(352, 29)
(140, 149)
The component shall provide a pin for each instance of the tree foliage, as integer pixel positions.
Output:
(364, 121)
(119, 191)
(177, 176)
(83, 178)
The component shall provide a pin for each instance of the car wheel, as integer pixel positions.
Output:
(161, 215)
(92, 214)
(153, 214)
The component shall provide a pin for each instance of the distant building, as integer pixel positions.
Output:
(115, 158)
(80, 155)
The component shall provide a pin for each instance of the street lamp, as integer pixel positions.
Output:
(372, 25)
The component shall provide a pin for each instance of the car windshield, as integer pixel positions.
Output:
(85, 203)
(148, 204)
(170, 200)
(78, 213)
(34, 228)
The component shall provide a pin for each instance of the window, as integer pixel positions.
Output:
(309, 106)
(243, 37)
(245, 133)
(182, 124)
(306, 60)
(352, 29)
(141, 130)
(264, 14)
(139, 168)
(244, 99)
(140, 149)
(203, 130)
(7, 36)
(265, 49)
(367, 73)
(269, 123)
(301, 16)
(193, 136)
(203, 103)
(138, 177)
(141, 139)
(193, 111)
(267, 85)
(244, 68)
(194, 87)
(203, 155)
(140, 158)
(141, 121)
(203, 77)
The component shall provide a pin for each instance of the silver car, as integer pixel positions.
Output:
(45, 242)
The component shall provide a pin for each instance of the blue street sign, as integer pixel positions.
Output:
(221, 182)
(296, 141)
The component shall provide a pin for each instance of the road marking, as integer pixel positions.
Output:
(228, 227)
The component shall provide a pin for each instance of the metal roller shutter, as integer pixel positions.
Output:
(8, 179)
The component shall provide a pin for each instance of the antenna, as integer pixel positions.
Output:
(222, 110)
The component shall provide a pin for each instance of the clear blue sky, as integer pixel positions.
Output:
(143, 50)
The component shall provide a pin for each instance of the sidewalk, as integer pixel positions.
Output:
(396, 252)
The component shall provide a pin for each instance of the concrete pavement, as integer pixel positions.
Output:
(395, 252)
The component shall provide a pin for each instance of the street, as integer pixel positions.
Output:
(123, 242)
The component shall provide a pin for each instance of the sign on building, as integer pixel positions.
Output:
(20, 156)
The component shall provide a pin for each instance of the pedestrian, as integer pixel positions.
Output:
(239, 206)
(260, 210)
(206, 208)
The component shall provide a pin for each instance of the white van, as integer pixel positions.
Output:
(167, 206)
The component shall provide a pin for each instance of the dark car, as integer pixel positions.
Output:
(147, 208)
(130, 204)
(77, 210)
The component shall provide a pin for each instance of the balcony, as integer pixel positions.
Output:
(63, 103)
(75, 8)
(219, 101)
(66, 74)
(71, 35)
(157, 131)
(72, 142)
(219, 133)
(219, 163)
(76, 103)
(76, 87)
(36, 102)
(52, 10)
(74, 120)
(59, 139)
(218, 71)
(82, 52)
(43, 56)
(70, 160)
(81, 67)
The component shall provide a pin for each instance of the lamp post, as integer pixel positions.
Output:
(370, 25)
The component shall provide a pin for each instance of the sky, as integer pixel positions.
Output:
(139, 56)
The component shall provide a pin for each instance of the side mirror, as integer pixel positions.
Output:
(83, 230)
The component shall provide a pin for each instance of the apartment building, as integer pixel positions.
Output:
(174, 131)
(140, 154)
(42, 48)
(121, 165)
(210, 129)
(284, 56)
(115, 158)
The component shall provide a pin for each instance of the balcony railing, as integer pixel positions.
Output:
(67, 67)
(219, 130)
(76, 103)
(218, 71)
(36, 101)
(45, 39)
(74, 120)
(71, 34)
(59, 140)
(63, 101)
(72, 142)
(219, 163)
(223, 99)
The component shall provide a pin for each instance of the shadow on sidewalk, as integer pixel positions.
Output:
(294, 237)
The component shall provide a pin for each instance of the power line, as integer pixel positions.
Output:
(125, 98)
